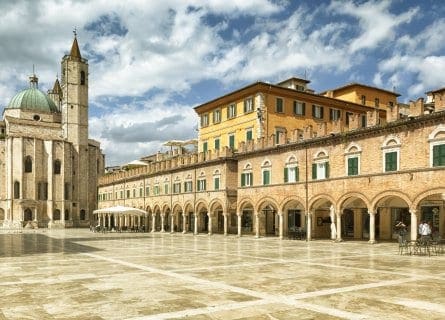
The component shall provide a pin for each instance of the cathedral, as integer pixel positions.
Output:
(48, 166)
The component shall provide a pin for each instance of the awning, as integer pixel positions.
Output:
(122, 210)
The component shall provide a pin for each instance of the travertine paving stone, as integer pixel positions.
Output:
(76, 274)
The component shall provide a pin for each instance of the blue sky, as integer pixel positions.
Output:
(151, 62)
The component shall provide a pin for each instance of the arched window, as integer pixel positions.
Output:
(82, 77)
(57, 166)
(28, 164)
(291, 172)
(56, 214)
(266, 172)
(391, 153)
(16, 190)
(67, 215)
(320, 165)
(28, 215)
(352, 159)
(82, 214)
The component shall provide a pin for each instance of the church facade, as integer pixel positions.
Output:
(49, 168)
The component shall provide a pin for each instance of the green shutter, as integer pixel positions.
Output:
(304, 109)
(216, 144)
(297, 174)
(327, 169)
(439, 155)
(314, 171)
(391, 161)
(249, 135)
(266, 177)
(352, 166)
(204, 147)
(232, 142)
(321, 112)
(251, 178)
(216, 186)
(286, 176)
(243, 180)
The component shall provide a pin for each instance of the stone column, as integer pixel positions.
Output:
(238, 224)
(172, 227)
(333, 228)
(184, 221)
(210, 223)
(309, 226)
(339, 238)
(225, 214)
(50, 206)
(195, 227)
(257, 224)
(153, 224)
(413, 224)
(162, 222)
(109, 221)
(371, 227)
(281, 224)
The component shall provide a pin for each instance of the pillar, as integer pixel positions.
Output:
(413, 223)
(257, 224)
(225, 214)
(184, 221)
(162, 222)
(309, 226)
(339, 238)
(281, 224)
(371, 227)
(333, 228)
(153, 220)
(238, 224)
(172, 225)
(210, 223)
(195, 227)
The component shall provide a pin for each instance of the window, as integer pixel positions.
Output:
(363, 122)
(320, 170)
(246, 179)
(128, 194)
(231, 111)
(299, 108)
(363, 99)
(82, 77)
(28, 164)
(348, 114)
(16, 190)
(156, 190)
(391, 104)
(217, 144)
(205, 120)
(279, 106)
(57, 166)
(166, 188)
(353, 166)
(147, 191)
(334, 114)
(204, 147)
(216, 183)
(391, 161)
(188, 186)
(82, 214)
(248, 105)
(266, 177)
(232, 141)
(249, 134)
(317, 111)
(201, 185)
(217, 116)
(291, 174)
(66, 191)
(439, 155)
(141, 192)
(121, 194)
(177, 187)
(278, 133)
(376, 102)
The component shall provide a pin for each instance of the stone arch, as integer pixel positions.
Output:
(216, 203)
(390, 193)
(321, 153)
(291, 159)
(242, 203)
(265, 200)
(290, 199)
(440, 129)
(344, 198)
(353, 147)
(425, 194)
(317, 198)
(200, 204)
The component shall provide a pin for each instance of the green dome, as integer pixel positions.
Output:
(32, 99)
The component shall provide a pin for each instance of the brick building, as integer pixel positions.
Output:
(359, 178)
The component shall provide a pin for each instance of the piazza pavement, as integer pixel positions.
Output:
(78, 274)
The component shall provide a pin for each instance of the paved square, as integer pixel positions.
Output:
(76, 274)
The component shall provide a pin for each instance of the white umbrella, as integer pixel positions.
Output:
(122, 210)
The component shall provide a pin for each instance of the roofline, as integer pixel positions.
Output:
(274, 86)
(435, 91)
(294, 78)
(361, 85)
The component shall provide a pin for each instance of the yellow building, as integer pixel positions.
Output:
(275, 111)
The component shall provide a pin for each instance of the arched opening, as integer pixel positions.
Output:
(270, 223)
(56, 214)
(321, 219)
(57, 166)
(82, 77)
(16, 190)
(294, 218)
(28, 164)
(82, 214)
(354, 219)
(389, 210)
(67, 214)
(432, 211)
(27, 216)
(2, 215)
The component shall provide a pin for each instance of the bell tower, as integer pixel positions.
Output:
(74, 85)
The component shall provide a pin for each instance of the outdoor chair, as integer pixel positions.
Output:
(404, 247)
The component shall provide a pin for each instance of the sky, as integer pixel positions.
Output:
(151, 62)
